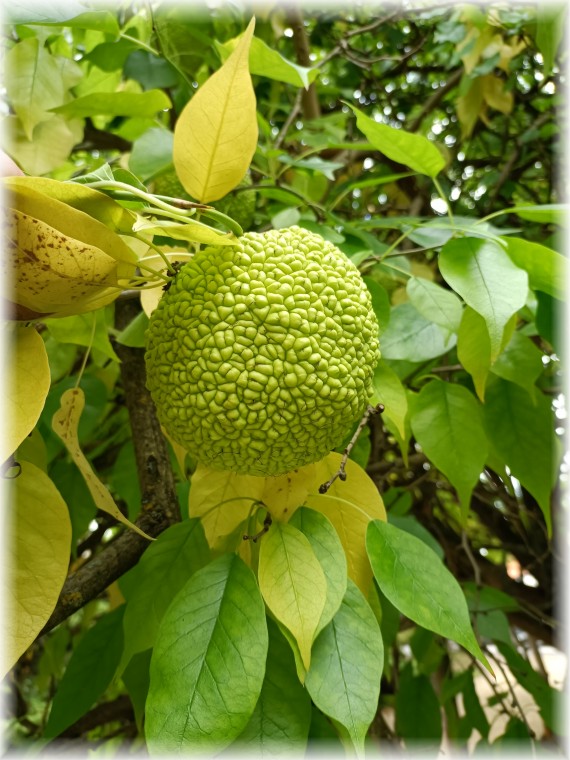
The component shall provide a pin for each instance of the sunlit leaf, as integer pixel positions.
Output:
(350, 506)
(192, 231)
(37, 557)
(547, 269)
(389, 391)
(407, 148)
(208, 662)
(27, 385)
(329, 552)
(414, 579)
(293, 584)
(487, 280)
(64, 423)
(216, 133)
(435, 303)
(447, 422)
(474, 348)
(266, 62)
(132, 104)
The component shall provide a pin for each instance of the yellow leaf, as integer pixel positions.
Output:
(282, 495)
(37, 558)
(216, 134)
(193, 231)
(292, 583)
(508, 52)
(65, 422)
(496, 95)
(350, 506)
(469, 107)
(223, 500)
(54, 274)
(474, 44)
(27, 386)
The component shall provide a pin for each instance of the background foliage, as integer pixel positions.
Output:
(459, 243)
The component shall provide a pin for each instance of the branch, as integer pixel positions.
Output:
(311, 106)
(160, 502)
(119, 709)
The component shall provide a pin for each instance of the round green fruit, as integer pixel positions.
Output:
(260, 357)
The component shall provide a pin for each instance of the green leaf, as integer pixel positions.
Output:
(406, 148)
(83, 330)
(151, 153)
(410, 336)
(414, 579)
(522, 433)
(550, 26)
(543, 694)
(380, 302)
(52, 142)
(435, 303)
(547, 269)
(134, 333)
(474, 349)
(487, 280)
(281, 719)
(292, 583)
(549, 213)
(163, 570)
(344, 677)
(89, 672)
(208, 662)
(388, 390)
(136, 678)
(116, 104)
(328, 550)
(72, 14)
(520, 362)
(410, 525)
(34, 83)
(419, 726)
(267, 62)
(447, 422)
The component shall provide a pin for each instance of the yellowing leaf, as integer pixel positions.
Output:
(223, 500)
(216, 134)
(469, 107)
(292, 583)
(52, 142)
(192, 230)
(282, 495)
(350, 506)
(37, 558)
(65, 422)
(52, 273)
(27, 386)
(496, 95)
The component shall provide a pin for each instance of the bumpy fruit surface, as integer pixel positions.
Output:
(260, 357)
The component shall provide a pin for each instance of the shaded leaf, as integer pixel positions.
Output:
(522, 433)
(133, 104)
(547, 269)
(520, 362)
(435, 303)
(345, 672)
(474, 349)
(411, 337)
(420, 728)
(280, 722)
(163, 570)
(388, 390)
(88, 673)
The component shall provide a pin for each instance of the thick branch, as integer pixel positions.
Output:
(309, 99)
(160, 507)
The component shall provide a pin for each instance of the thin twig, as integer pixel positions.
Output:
(341, 473)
